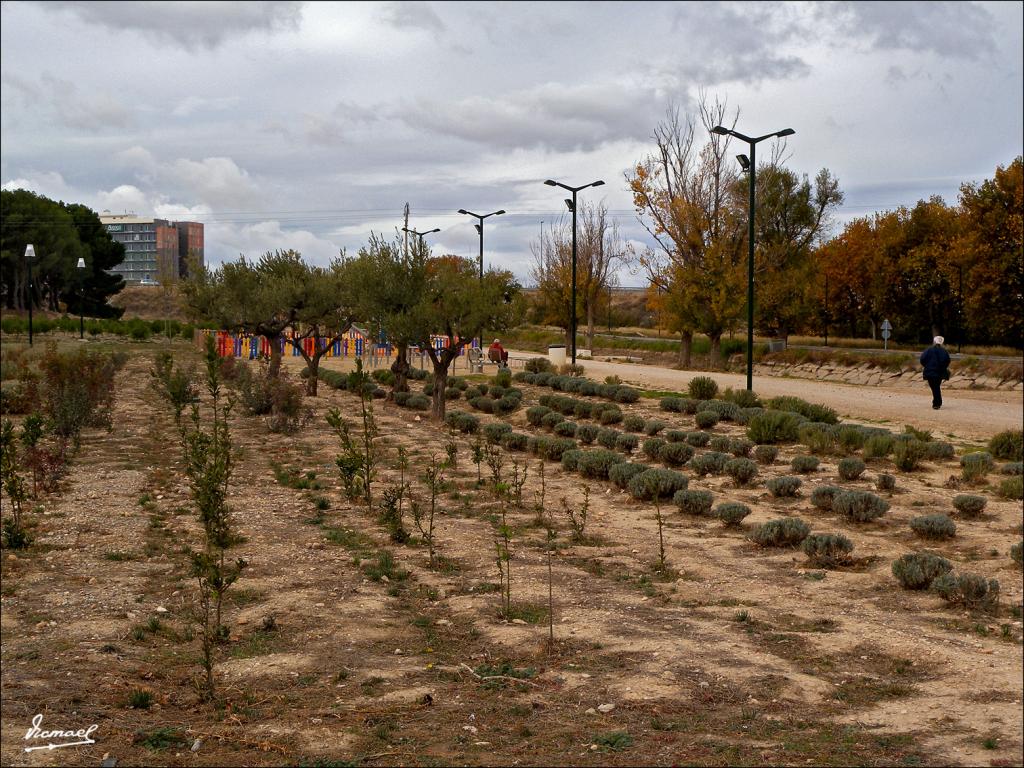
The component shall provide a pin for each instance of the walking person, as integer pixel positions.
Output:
(935, 361)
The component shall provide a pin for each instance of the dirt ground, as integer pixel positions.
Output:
(735, 655)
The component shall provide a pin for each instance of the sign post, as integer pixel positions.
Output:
(886, 333)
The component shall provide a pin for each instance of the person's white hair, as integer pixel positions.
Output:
(496, 341)
(939, 340)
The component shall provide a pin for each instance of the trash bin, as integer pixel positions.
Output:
(776, 345)
(556, 354)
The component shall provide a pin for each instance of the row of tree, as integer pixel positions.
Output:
(954, 270)
(931, 269)
(406, 295)
(60, 233)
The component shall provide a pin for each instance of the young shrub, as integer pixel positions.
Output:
(702, 388)
(693, 502)
(851, 437)
(969, 505)
(731, 513)
(1013, 468)
(452, 393)
(496, 430)
(859, 506)
(538, 365)
(464, 422)
(819, 438)
(534, 414)
(675, 454)
(742, 471)
(1017, 553)
(851, 468)
(936, 450)
(610, 415)
(657, 483)
(1012, 488)
(907, 454)
(773, 427)
(472, 393)
(970, 590)
(653, 447)
(416, 402)
(784, 487)
(483, 403)
(720, 443)
(673, 404)
(621, 474)
(698, 439)
(937, 526)
(766, 454)
(827, 550)
(514, 441)
(744, 398)
(597, 463)
(679, 436)
(633, 423)
(607, 437)
(823, 496)
(555, 447)
(590, 388)
(626, 442)
(878, 447)
(566, 429)
(587, 433)
(706, 419)
(626, 395)
(571, 460)
(975, 466)
(810, 411)
(1008, 445)
(805, 464)
(552, 420)
(740, 447)
(724, 410)
(746, 414)
(710, 463)
(783, 532)
(654, 426)
(885, 483)
(584, 410)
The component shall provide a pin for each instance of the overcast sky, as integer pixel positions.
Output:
(306, 126)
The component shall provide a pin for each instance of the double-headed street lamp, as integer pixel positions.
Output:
(572, 207)
(750, 165)
(420, 235)
(480, 231)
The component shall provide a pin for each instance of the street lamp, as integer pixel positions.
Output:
(750, 165)
(480, 231)
(81, 299)
(30, 253)
(420, 235)
(572, 207)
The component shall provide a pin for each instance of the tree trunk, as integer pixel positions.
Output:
(400, 368)
(686, 349)
(715, 353)
(313, 365)
(590, 327)
(873, 328)
(437, 405)
(275, 355)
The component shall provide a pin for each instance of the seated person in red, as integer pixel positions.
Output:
(497, 354)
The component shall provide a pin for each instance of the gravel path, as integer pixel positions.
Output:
(965, 413)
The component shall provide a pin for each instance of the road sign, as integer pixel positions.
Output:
(886, 332)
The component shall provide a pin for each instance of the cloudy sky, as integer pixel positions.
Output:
(307, 125)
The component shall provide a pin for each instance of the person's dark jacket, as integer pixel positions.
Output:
(935, 361)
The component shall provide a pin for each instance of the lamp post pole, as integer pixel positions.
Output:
(81, 299)
(30, 253)
(480, 230)
(720, 130)
(572, 207)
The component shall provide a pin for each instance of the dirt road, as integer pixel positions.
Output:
(975, 415)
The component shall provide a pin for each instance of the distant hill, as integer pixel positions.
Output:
(149, 302)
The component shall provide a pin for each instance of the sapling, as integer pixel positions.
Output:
(539, 506)
(518, 481)
(578, 517)
(495, 462)
(661, 537)
(14, 535)
(451, 449)
(433, 476)
(478, 449)
(550, 530)
(502, 545)
(207, 451)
